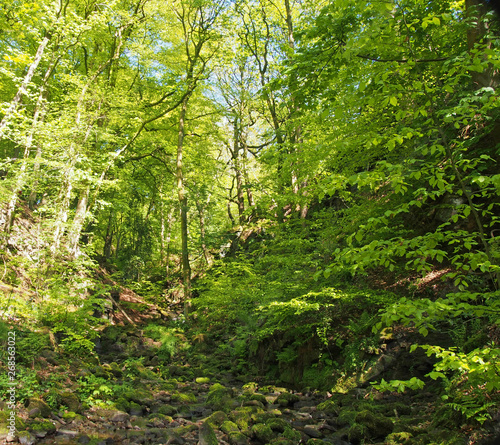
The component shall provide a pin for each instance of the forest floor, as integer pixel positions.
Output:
(129, 393)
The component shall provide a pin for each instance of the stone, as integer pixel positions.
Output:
(26, 438)
(135, 409)
(202, 380)
(65, 432)
(229, 427)
(278, 425)
(83, 439)
(262, 432)
(313, 431)
(119, 416)
(207, 435)
(237, 438)
(44, 409)
(216, 419)
(378, 425)
(70, 400)
(287, 399)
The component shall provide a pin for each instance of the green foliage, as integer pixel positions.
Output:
(172, 339)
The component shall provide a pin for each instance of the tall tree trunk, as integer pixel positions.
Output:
(108, 240)
(78, 221)
(235, 154)
(23, 88)
(183, 202)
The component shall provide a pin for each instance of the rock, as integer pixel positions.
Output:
(317, 442)
(237, 438)
(41, 429)
(229, 427)
(38, 404)
(26, 438)
(329, 406)
(287, 399)
(174, 438)
(135, 409)
(219, 398)
(119, 416)
(202, 380)
(83, 439)
(262, 432)
(70, 400)
(313, 431)
(356, 433)
(65, 432)
(378, 426)
(207, 435)
(278, 425)
(167, 410)
(216, 419)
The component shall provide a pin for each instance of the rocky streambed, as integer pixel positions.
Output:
(129, 397)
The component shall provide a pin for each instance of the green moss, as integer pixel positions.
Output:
(202, 380)
(184, 398)
(216, 419)
(122, 404)
(262, 432)
(398, 438)
(356, 433)
(207, 434)
(278, 425)
(292, 435)
(287, 399)
(346, 417)
(167, 410)
(39, 404)
(70, 416)
(219, 398)
(237, 438)
(259, 398)
(241, 418)
(47, 426)
(378, 425)
(229, 427)
(329, 406)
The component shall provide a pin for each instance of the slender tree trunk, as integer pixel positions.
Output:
(108, 240)
(23, 88)
(183, 201)
(201, 214)
(235, 153)
(78, 221)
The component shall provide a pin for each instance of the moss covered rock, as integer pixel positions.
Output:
(237, 438)
(45, 426)
(398, 438)
(356, 433)
(185, 398)
(38, 408)
(229, 427)
(202, 380)
(377, 425)
(216, 419)
(207, 435)
(329, 406)
(277, 424)
(287, 399)
(167, 410)
(219, 398)
(262, 432)
(346, 417)
(70, 400)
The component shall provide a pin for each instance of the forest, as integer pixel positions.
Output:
(249, 222)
